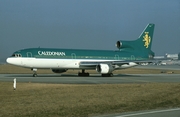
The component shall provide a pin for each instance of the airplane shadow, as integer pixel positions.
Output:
(71, 75)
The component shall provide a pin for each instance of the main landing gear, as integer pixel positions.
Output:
(83, 73)
(34, 72)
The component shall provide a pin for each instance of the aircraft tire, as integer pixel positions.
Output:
(34, 75)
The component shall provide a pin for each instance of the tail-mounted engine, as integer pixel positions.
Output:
(104, 68)
(124, 44)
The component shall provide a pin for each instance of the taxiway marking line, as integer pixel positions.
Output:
(144, 113)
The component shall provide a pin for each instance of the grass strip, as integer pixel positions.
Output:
(63, 100)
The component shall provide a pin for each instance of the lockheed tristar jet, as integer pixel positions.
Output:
(129, 54)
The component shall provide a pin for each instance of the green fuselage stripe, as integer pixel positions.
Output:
(83, 54)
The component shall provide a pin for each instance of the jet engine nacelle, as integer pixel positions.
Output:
(124, 44)
(59, 70)
(104, 68)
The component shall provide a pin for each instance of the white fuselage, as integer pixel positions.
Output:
(47, 63)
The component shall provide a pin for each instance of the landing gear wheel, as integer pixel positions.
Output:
(83, 73)
(34, 75)
(34, 72)
(107, 75)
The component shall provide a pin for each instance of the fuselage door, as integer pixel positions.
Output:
(29, 54)
(116, 57)
(73, 56)
(133, 57)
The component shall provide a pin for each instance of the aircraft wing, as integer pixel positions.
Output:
(119, 63)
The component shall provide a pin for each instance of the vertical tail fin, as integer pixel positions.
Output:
(146, 36)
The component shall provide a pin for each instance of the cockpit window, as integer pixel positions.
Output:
(16, 55)
(13, 55)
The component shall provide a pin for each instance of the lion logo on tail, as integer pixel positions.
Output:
(147, 39)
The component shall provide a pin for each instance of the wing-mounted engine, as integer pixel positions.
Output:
(59, 70)
(125, 44)
(104, 68)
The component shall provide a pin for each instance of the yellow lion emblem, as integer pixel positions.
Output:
(147, 39)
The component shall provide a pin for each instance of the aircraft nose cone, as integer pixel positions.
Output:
(14, 61)
(8, 60)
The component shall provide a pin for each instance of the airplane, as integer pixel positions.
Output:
(129, 54)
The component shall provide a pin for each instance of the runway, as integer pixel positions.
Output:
(93, 79)
(97, 79)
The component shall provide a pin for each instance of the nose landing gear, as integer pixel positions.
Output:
(34, 72)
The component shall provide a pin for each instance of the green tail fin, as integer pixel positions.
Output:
(146, 37)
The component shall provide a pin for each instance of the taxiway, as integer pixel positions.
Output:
(93, 79)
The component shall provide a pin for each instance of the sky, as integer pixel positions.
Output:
(87, 24)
